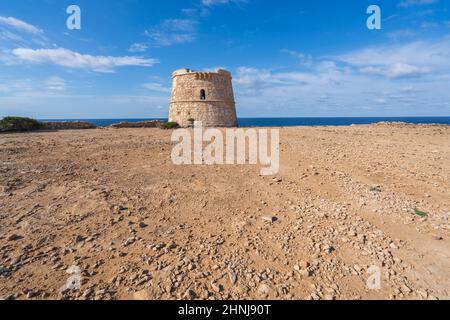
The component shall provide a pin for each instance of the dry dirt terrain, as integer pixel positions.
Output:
(110, 202)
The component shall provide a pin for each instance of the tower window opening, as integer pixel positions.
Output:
(202, 94)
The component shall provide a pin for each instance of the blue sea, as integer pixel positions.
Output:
(291, 122)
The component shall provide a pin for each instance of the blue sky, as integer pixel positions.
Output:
(288, 58)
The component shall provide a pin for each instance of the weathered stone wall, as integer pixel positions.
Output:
(203, 96)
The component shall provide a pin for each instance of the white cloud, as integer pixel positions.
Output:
(429, 25)
(138, 47)
(209, 3)
(15, 85)
(178, 31)
(55, 83)
(302, 58)
(27, 87)
(20, 25)
(47, 105)
(173, 31)
(10, 36)
(414, 58)
(410, 3)
(180, 25)
(70, 59)
(324, 73)
(214, 2)
(253, 79)
(153, 86)
(402, 33)
(398, 70)
(18, 33)
(385, 80)
(338, 92)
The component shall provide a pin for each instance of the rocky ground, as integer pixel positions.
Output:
(111, 203)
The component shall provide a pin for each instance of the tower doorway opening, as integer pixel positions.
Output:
(202, 94)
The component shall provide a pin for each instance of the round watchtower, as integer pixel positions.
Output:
(203, 96)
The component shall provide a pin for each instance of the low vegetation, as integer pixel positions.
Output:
(169, 125)
(420, 213)
(16, 124)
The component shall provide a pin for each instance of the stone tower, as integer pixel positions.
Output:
(203, 96)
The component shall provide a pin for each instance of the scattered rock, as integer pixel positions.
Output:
(232, 276)
(423, 294)
(357, 268)
(216, 287)
(143, 295)
(270, 219)
(303, 272)
(303, 264)
(172, 246)
(315, 296)
(32, 294)
(129, 241)
(189, 294)
(263, 291)
(328, 249)
(79, 238)
(143, 225)
(352, 233)
(87, 293)
(14, 237)
(4, 272)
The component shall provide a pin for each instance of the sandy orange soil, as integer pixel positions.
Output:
(112, 203)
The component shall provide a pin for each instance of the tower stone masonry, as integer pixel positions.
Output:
(203, 96)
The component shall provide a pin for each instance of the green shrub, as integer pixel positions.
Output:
(420, 213)
(19, 124)
(169, 125)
